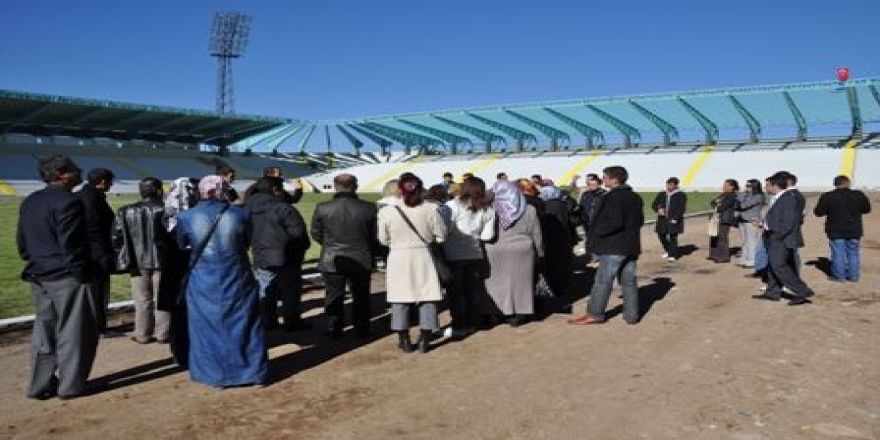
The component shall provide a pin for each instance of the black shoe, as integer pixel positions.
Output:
(335, 333)
(424, 342)
(766, 297)
(517, 320)
(796, 301)
(404, 343)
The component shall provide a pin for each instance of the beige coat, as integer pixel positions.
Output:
(410, 275)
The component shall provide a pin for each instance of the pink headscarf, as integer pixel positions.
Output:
(212, 187)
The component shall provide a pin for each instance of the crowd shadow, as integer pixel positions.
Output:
(136, 375)
(822, 264)
(688, 249)
(648, 295)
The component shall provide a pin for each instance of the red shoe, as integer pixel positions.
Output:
(585, 320)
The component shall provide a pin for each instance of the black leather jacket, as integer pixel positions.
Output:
(140, 237)
(346, 227)
(278, 235)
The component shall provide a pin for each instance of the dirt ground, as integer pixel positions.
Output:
(707, 361)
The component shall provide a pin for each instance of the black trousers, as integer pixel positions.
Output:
(669, 243)
(784, 270)
(282, 283)
(720, 245)
(334, 302)
(467, 287)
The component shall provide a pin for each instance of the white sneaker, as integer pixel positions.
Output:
(670, 258)
(665, 256)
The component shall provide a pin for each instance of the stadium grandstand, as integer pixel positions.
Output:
(816, 130)
(135, 141)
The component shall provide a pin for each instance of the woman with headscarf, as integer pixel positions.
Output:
(556, 230)
(532, 194)
(411, 278)
(513, 253)
(182, 196)
(227, 346)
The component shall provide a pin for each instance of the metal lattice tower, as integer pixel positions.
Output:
(229, 36)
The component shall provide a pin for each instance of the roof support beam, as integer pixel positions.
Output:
(855, 111)
(796, 114)
(355, 142)
(751, 121)
(708, 126)
(488, 137)
(379, 140)
(306, 138)
(274, 141)
(231, 131)
(554, 134)
(452, 139)
(629, 132)
(669, 131)
(520, 136)
(407, 138)
(589, 133)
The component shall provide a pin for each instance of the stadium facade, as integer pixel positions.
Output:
(816, 129)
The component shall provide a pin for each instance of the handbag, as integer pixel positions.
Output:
(444, 272)
(712, 227)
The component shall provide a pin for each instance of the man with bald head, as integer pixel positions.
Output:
(346, 229)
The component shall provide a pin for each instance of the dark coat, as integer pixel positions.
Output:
(617, 223)
(278, 232)
(99, 227)
(346, 228)
(287, 197)
(673, 221)
(140, 237)
(783, 220)
(52, 236)
(844, 208)
(802, 207)
(725, 206)
(589, 200)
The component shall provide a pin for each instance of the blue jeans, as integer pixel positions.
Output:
(845, 260)
(610, 266)
(761, 259)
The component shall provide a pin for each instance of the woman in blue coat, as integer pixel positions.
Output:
(227, 345)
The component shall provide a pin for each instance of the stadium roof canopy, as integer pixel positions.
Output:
(45, 115)
(709, 115)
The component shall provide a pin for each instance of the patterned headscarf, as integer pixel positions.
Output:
(212, 187)
(509, 203)
(179, 198)
(550, 193)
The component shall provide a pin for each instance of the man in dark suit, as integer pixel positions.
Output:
(53, 242)
(802, 205)
(99, 219)
(781, 235)
(346, 229)
(670, 206)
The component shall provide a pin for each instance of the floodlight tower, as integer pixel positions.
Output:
(229, 36)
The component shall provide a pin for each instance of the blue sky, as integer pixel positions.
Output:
(332, 59)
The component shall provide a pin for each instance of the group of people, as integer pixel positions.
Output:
(212, 271)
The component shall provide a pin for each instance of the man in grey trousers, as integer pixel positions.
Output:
(52, 241)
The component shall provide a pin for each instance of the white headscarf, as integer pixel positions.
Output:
(180, 197)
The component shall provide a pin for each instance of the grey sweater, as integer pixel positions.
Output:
(750, 205)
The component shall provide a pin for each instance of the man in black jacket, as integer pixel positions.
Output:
(781, 236)
(279, 242)
(99, 226)
(589, 199)
(615, 240)
(141, 242)
(844, 208)
(288, 197)
(53, 243)
(670, 206)
(346, 228)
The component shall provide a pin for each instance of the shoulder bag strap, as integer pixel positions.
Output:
(411, 226)
(198, 250)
